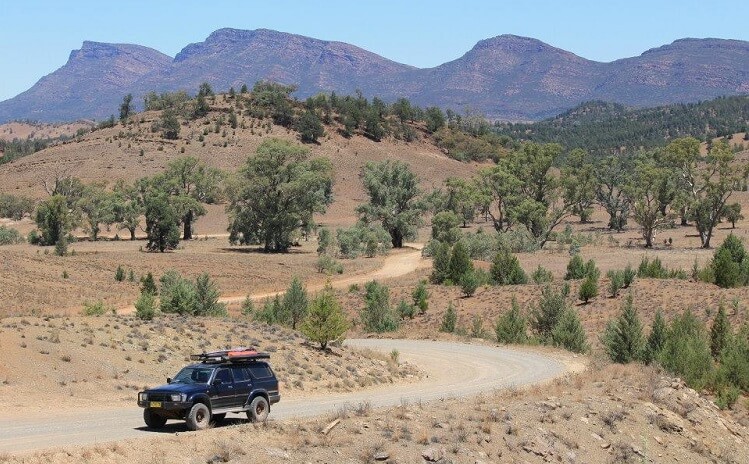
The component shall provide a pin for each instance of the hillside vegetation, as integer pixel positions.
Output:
(609, 128)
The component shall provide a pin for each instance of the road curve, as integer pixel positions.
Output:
(453, 370)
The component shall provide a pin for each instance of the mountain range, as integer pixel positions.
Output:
(506, 77)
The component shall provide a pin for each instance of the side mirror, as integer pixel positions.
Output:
(217, 382)
(168, 380)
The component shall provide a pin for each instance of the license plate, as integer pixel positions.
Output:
(155, 404)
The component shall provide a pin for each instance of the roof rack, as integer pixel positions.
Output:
(232, 355)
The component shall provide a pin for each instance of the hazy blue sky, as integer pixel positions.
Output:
(36, 37)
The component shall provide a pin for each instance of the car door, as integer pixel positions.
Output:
(242, 384)
(222, 390)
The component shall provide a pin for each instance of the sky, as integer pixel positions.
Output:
(36, 36)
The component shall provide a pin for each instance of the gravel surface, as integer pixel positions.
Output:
(454, 370)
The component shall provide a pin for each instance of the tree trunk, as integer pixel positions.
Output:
(132, 233)
(397, 238)
(187, 231)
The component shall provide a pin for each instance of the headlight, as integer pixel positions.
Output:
(179, 397)
(142, 397)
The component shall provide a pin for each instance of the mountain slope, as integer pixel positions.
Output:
(232, 57)
(91, 84)
(505, 77)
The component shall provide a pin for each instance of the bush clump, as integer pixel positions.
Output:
(10, 236)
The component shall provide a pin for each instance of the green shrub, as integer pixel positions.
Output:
(420, 297)
(477, 326)
(34, 238)
(569, 334)
(628, 276)
(206, 298)
(328, 265)
(441, 263)
(469, 282)
(10, 236)
(686, 351)
(727, 397)
(730, 266)
(616, 282)
(655, 270)
(445, 227)
(588, 289)
(460, 263)
(248, 307)
(369, 240)
(295, 303)
(271, 311)
(506, 270)
(94, 309)
(542, 275)
(145, 306)
(405, 310)
(119, 274)
(177, 294)
(719, 332)
(623, 339)
(449, 320)
(510, 327)
(546, 315)
(148, 285)
(656, 339)
(325, 321)
(575, 268)
(377, 315)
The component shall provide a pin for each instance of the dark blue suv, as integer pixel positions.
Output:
(232, 381)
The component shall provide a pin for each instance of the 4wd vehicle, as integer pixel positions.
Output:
(232, 381)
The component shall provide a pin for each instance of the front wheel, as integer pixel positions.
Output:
(152, 419)
(259, 410)
(199, 417)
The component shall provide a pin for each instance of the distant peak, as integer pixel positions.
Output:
(510, 42)
(704, 43)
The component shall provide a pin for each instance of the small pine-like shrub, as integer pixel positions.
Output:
(248, 307)
(569, 333)
(325, 321)
(506, 270)
(628, 276)
(542, 275)
(623, 337)
(405, 310)
(119, 274)
(616, 282)
(588, 289)
(686, 352)
(377, 315)
(477, 326)
(511, 326)
(148, 285)
(469, 282)
(449, 320)
(575, 268)
(420, 297)
(145, 306)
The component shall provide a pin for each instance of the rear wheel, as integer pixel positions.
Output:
(152, 419)
(259, 410)
(199, 417)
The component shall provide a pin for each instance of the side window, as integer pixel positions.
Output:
(224, 375)
(240, 374)
(260, 371)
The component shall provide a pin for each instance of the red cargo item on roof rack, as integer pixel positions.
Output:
(233, 355)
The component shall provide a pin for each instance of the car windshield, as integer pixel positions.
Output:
(193, 375)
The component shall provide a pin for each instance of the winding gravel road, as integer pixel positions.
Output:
(454, 370)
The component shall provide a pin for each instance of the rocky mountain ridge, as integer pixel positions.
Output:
(505, 77)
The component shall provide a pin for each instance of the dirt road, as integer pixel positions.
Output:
(453, 370)
(397, 264)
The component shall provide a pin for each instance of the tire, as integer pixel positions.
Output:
(217, 418)
(199, 417)
(152, 419)
(259, 410)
